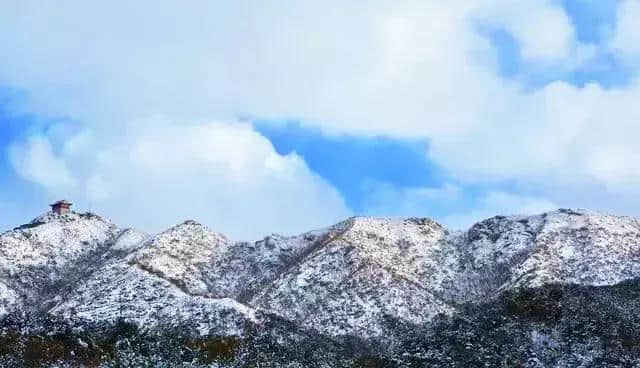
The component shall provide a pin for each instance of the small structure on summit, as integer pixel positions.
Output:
(61, 207)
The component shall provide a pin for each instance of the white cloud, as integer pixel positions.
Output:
(386, 199)
(415, 69)
(389, 200)
(543, 30)
(223, 174)
(498, 203)
(626, 35)
(556, 133)
(347, 67)
(34, 160)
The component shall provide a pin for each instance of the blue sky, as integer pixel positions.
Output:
(350, 116)
(592, 21)
(348, 162)
(12, 127)
(590, 17)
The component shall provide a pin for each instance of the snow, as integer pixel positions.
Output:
(366, 270)
(8, 299)
(59, 237)
(347, 279)
(129, 240)
(585, 248)
(182, 254)
(122, 291)
(49, 250)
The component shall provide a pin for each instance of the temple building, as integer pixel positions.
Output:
(61, 207)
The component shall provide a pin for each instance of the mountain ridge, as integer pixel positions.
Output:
(346, 280)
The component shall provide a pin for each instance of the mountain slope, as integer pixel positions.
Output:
(159, 281)
(369, 279)
(371, 269)
(564, 246)
(38, 259)
(182, 255)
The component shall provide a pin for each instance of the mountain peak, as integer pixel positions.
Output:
(180, 253)
(63, 218)
(346, 279)
(189, 223)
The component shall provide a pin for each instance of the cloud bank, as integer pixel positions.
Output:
(158, 172)
(405, 69)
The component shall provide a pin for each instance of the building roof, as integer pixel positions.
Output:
(63, 202)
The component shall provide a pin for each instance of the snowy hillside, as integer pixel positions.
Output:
(369, 269)
(39, 259)
(182, 255)
(361, 278)
(565, 246)
(8, 298)
(160, 280)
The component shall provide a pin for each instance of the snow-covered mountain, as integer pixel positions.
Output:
(40, 260)
(360, 278)
(367, 270)
(566, 246)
